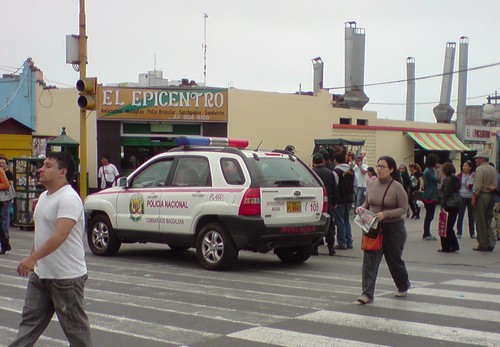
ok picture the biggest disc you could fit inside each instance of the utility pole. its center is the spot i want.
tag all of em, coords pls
(82, 54)
(205, 16)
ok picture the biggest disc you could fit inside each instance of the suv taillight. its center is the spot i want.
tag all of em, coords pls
(325, 201)
(250, 204)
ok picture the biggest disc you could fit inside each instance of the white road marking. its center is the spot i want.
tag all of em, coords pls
(279, 337)
(392, 326)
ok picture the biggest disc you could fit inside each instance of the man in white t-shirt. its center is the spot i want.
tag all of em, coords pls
(108, 173)
(360, 171)
(57, 260)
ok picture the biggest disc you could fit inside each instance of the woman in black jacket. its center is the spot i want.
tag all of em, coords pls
(405, 178)
(451, 203)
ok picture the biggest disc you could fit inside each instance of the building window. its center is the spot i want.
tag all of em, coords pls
(345, 121)
(362, 122)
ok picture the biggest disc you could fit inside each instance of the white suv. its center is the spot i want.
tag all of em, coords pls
(215, 196)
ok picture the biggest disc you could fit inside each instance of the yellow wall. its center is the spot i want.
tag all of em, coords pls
(276, 119)
(57, 108)
(281, 119)
(14, 146)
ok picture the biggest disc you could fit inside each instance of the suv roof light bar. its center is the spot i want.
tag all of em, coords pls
(210, 141)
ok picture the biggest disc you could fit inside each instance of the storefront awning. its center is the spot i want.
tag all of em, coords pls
(438, 141)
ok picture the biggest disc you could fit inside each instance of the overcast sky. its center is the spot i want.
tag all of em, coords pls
(261, 44)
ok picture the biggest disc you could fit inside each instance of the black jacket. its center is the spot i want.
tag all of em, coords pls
(330, 183)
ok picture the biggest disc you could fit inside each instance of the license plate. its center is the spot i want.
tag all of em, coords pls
(293, 207)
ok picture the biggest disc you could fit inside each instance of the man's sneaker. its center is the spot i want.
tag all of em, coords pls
(401, 294)
(364, 299)
(430, 238)
(331, 251)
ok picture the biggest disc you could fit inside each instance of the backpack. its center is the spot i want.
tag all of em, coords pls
(346, 185)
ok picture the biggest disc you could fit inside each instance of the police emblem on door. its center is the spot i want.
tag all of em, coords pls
(136, 207)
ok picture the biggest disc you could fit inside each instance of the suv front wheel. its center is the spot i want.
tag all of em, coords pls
(215, 248)
(101, 236)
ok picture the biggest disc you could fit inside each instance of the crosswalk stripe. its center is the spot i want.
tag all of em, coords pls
(409, 328)
(473, 284)
(248, 295)
(127, 326)
(279, 337)
(165, 305)
(9, 335)
(489, 275)
(155, 332)
(446, 310)
(453, 294)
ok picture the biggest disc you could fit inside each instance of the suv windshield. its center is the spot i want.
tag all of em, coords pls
(281, 171)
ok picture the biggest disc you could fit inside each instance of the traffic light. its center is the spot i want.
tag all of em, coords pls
(88, 93)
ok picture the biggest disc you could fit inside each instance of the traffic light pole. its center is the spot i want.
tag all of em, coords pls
(82, 53)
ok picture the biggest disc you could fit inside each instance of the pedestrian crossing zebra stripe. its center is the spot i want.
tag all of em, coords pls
(408, 328)
(128, 326)
(279, 337)
(9, 335)
(445, 310)
(489, 275)
(455, 294)
(473, 284)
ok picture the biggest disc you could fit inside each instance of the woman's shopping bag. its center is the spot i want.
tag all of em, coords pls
(442, 223)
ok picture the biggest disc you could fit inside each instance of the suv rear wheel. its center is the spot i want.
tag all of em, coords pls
(294, 255)
(101, 236)
(215, 248)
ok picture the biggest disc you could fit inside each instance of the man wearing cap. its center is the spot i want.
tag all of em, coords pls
(483, 201)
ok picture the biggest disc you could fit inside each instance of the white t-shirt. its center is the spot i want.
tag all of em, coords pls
(109, 172)
(67, 261)
(360, 178)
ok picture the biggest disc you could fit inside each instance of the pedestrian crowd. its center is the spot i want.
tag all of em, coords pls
(56, 264)
(351, 184)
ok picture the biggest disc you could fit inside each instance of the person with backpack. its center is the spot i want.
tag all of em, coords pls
(329, 181)
(346, 191)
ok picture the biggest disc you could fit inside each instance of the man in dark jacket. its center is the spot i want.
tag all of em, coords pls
(328, 178)
(346, 192)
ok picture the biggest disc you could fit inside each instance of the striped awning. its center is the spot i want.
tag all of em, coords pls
(438, 141)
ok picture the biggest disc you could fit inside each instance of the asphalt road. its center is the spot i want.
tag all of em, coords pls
(148, 295)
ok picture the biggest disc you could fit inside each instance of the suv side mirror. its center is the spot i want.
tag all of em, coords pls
(122, 182)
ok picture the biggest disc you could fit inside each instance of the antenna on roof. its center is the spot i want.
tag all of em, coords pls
(259, 145)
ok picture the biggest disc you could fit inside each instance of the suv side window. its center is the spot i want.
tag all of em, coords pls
(154, 175)
(232, 172)
(192, 172)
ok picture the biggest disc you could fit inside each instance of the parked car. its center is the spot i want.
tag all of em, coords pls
(213, 195)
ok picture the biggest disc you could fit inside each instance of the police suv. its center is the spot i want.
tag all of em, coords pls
(216, 196)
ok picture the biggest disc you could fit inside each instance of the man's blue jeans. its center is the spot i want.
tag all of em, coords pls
(62, 296)
(344, 234)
